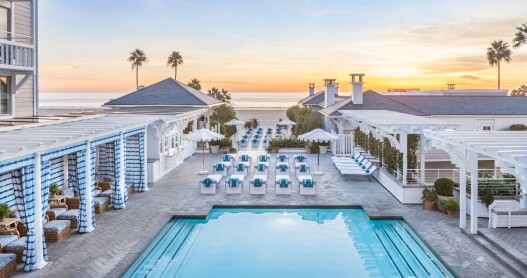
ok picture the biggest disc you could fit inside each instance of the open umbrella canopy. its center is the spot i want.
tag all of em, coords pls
(318, 135)
(204, 134)
(234, 122)
(286, 122)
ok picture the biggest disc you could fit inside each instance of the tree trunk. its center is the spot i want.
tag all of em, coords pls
(175, 72)
(136, 77)
(499, 73)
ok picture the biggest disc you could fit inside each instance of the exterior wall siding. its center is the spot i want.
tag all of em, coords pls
(471, 123)
(22, 21)
(24, 99)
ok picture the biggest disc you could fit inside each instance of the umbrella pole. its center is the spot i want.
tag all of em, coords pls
(318, 173)
(203, 172)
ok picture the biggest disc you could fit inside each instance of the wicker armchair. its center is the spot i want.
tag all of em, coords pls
(7, 264)
(72, 197)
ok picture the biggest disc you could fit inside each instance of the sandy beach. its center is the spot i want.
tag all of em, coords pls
(266, 116)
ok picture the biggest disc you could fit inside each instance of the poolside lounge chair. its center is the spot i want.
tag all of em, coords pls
(243, 143)
(299, 158)
(7, 264)
(264, 158)
(209, 184)
(307, 185)
(507, 213)
(261, 168)
(255, 141)
(72, 215)
(241, 168)
(245, 158)
(228, 158)
(258, 185)
(234, 184)
(101, 204)
(283, 185)
(359, 172)
(365, 166)
(282, 168)
(282, 158)
(302, 169)
(17, 248)
(221, 168)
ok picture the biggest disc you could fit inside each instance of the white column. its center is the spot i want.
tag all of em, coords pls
(207, 123)
(195, 125)
(145, 160)
(37, 186)
(66, 170)
(88, 196)
(463, 195)
(121, 168)
(422, 161)
(403, 138)
(473, 168)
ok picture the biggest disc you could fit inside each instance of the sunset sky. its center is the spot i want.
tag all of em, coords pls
(278, 45)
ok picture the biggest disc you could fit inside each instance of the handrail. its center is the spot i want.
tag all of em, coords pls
(14, 43)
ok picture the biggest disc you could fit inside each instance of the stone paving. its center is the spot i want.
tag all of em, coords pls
(121, 235)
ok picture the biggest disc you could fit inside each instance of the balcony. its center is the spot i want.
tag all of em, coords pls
(17, 52)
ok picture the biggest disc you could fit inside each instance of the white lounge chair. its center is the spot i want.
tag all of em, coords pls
(307, 185)
(228, 158)
(282, 158)
(221, 168)
(282, 168)
(300, 158)
(359, 172)
(365, 166)
(258, 184)
(507, 213)
(245, 158)
(264, 158)
(302, 169)
(234, 184)
(209, 184)
(283, 185)
(261, 168)
(241, 168)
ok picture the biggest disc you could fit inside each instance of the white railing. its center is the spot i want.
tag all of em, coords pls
(431, 175)
(343, 146)
(16, 55)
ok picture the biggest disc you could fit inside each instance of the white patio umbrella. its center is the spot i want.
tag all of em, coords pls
(204, 135)
(287, 123)
(318, 135)
(234, 122)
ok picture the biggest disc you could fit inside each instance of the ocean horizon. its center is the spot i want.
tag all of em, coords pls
(247, 100)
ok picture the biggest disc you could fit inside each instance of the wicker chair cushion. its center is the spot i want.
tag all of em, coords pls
(6, 239)
(69, 215)
(106, 193)
(96, 192)
(68, 192)
(58, 211)
(17, 245)
(56, 226)
(100, 200)
(5, 259)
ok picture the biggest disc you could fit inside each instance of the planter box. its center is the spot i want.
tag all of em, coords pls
(292, 150)
(323, 149)
(214, 148)
(481, 209)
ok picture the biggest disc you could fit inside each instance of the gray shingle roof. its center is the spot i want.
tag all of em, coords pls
(315, 99)
(168, 92)
(435, 105)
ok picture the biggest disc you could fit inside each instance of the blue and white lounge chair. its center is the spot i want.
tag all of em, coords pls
(264, 158)
(234, 184)
(308, 186)
(209, 184)
(299, 158)
(245, 158)
(221, 168)
(282, 158)
(283, 185)
(228, 158)
(302, 169)
(241, 168)
(258, 184)
(359, 172)
(282, 168)
(261, 168)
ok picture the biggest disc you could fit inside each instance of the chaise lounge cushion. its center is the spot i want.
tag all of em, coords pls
(72, 214)
(96, 192)
(58, 211)
(18, 245)
(56, 226)
(7, 239)
(100, 201)
(6, 259)
(106, 193)
(513, 212)
(70, 193)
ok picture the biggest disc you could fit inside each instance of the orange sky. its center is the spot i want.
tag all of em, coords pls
(409, 45)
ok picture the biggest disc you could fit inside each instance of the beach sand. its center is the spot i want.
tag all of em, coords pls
(266, 116)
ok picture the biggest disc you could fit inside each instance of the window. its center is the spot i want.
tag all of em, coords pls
(5, 23)
(4, 96)
(172, 144)
(487, 127)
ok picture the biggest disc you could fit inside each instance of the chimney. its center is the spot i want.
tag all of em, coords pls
(311, 89)
(357, 79)
(331, 91)
(451, 86)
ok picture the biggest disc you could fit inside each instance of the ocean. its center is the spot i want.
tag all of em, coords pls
(239, 99)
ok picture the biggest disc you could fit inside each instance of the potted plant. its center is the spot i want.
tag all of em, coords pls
(54, 190)
(214, 146)
(323, 147)
(4, 212)
(233, 150)
(451, 207)
(429, 198)
(274, 144)
(487, 198)
(444, 188)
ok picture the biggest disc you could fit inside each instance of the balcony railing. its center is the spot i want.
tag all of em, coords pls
(15, 55)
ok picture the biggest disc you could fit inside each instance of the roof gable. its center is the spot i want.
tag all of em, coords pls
(373, 101)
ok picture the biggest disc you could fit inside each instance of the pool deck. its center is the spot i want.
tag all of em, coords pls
(121, 235)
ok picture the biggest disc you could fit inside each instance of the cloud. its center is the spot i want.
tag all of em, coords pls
(455, 64)
(470, 77)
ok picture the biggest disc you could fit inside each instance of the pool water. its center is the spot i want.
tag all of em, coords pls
(287, 243)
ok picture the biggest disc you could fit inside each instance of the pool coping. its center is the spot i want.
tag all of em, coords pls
(371, 217)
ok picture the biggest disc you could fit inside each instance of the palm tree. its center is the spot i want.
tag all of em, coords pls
(137, 58)
(498, 51)
(173, 60)
(194, 83)
(520, 38)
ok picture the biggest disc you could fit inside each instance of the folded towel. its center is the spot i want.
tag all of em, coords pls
(220, 167)
(282, 157)
(245, 158)
(263, 158)
(300, 158)
(226, 157)
(303, 168)
(284, 183)
(233, 182)
(283, 167)
(258, 182)
(240, 167)
(308, 183)
(260, 167)
(207, 182)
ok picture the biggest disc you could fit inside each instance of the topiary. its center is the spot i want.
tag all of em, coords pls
(444, 187)
(4, 210)
(486, 197)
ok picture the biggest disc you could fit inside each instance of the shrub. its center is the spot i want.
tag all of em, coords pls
(451, 205)
(54, 188)
(487, 198)
(4, 210)
(518, 127)
(444, 187)
(252, 122)
(429, 194)
(304, 118)
(233, 150)
(287, 142)
(223, 143)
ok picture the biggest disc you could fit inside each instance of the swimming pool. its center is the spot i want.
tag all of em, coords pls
(287, 243)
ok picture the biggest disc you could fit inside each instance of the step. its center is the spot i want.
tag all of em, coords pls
(504, 258)
(397, 258)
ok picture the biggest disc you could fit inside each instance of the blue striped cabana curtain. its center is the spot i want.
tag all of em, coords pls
(45, 183)
(92, 167)
(142, 161)
(135, 159)
(118, 200)
(72, 172)
(81, 178)
(125, 192)
(107, 161)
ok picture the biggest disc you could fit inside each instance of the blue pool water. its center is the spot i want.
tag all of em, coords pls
(287, 243)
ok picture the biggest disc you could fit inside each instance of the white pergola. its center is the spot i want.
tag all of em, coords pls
(395, 127)
(507, 148)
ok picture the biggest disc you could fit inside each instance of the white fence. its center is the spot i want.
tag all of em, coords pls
(343, 146)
